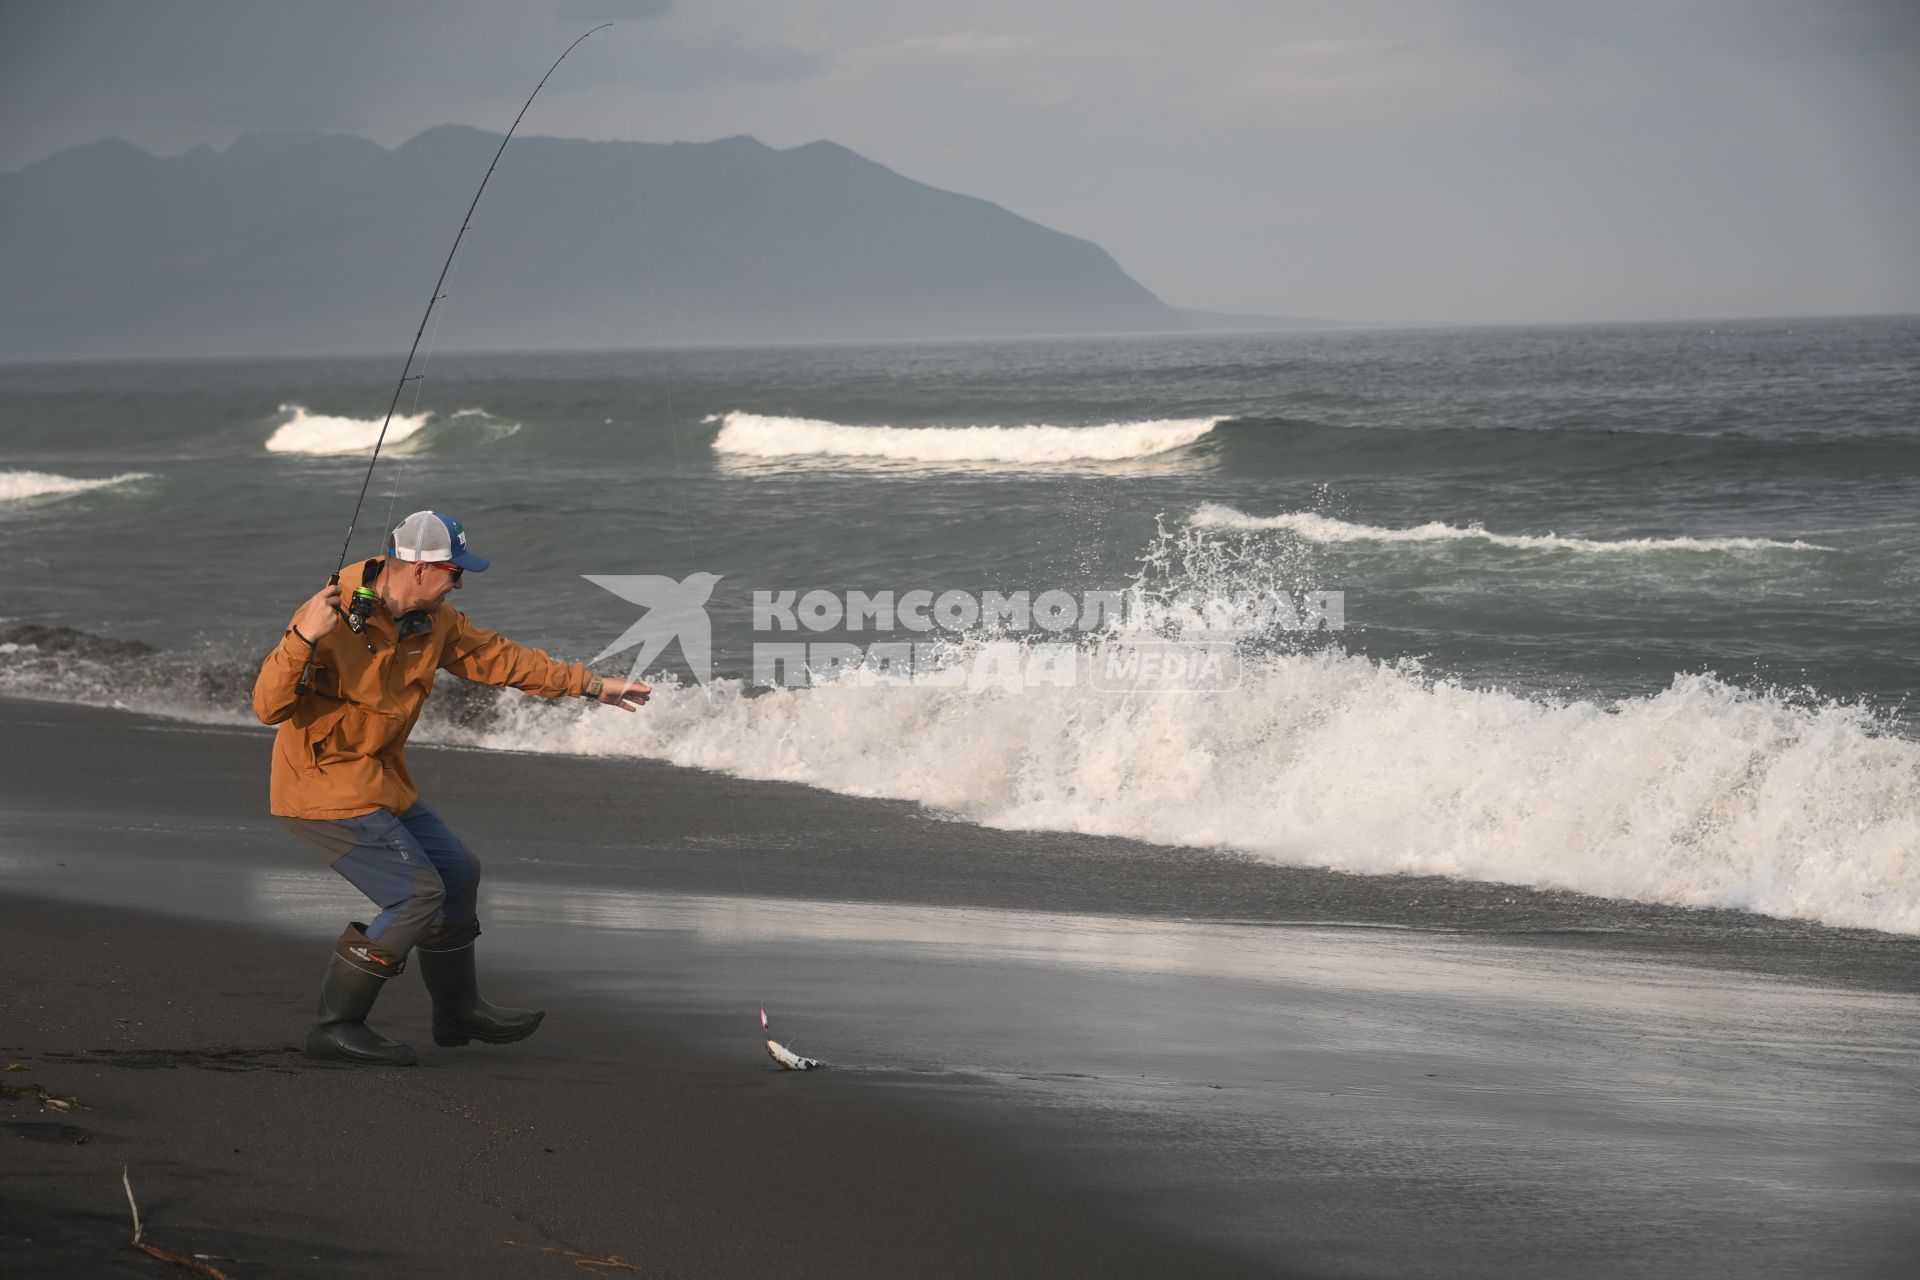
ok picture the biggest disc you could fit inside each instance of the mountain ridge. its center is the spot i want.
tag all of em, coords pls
(290, 242)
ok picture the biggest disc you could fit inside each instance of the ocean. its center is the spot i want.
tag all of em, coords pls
(1627, 610)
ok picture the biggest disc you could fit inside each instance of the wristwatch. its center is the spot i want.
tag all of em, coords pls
(595, 687)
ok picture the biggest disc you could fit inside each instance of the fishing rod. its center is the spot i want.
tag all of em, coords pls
(361, 607)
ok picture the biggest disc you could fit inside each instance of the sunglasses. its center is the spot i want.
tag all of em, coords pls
(444, 567)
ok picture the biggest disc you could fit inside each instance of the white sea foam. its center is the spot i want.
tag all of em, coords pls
(1319, 528)
(17, 486)
(752, 435)
(1702, 795)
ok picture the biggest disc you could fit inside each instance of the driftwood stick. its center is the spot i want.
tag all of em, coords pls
(127, 1182)
(586, 1261)
(155, 1251)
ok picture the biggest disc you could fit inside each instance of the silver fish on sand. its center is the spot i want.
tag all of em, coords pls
(788, 1059)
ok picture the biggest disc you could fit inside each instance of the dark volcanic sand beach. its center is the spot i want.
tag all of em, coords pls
(607, 1135)
(1051, 1055)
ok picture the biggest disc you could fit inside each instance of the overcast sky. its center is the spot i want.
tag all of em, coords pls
(1401, 160)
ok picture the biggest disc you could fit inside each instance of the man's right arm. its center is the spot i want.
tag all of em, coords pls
(275, 691)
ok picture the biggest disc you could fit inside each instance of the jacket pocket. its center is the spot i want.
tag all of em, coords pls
(314, 728)
(348, 732)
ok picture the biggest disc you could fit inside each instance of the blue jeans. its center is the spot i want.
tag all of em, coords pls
(411, 866)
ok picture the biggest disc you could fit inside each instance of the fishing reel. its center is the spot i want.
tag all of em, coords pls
(360, 604)
(360, 608)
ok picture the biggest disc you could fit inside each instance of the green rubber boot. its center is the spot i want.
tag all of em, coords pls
(355, 975)
(459, 1014)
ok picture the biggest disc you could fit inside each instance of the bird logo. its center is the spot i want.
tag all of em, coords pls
(675, 611)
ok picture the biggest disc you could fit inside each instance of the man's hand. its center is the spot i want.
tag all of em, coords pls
(624, 693)
(320, 614)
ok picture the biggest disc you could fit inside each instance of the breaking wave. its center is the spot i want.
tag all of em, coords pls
(18, 486)
(323, 435)
(1319, 528)
(1703, 795)
(752, 435)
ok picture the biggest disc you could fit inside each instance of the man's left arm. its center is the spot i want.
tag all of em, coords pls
(487, 657)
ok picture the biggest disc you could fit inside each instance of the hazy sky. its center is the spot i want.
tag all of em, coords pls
(1400, 160)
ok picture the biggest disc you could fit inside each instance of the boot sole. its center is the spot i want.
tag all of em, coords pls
(327, 1051)
(450, 1035)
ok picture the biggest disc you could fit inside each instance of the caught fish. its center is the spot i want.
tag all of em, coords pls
(788, 1059)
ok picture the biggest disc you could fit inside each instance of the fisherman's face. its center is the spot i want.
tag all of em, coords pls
(420, 586)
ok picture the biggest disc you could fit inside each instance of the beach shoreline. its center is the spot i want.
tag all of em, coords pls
(1049, 1054)
(645, 824)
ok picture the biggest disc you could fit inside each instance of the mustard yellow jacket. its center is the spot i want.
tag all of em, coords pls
(339, 752)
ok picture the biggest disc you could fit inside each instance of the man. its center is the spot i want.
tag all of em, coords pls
(340, 780)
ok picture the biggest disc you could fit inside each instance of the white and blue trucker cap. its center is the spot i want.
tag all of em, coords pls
(432, 537)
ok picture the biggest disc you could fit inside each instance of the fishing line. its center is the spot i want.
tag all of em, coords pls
(413, 410)
(787, 1059)
(406, 370)
(673, 419)
(679, 473)
(673, 416)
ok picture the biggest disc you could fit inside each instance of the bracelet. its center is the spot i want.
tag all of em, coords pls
(296, 631)
(595, 687)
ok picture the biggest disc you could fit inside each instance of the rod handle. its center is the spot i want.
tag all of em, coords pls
(304, 685)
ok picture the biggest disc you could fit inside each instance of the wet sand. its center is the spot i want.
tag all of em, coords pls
(606, 1134)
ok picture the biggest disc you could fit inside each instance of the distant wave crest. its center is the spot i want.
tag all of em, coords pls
(323, 435)
(752, 435)
(17, 486)
(1319, 528)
